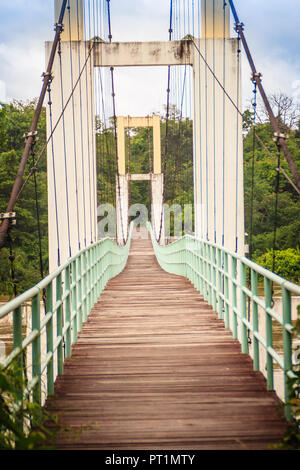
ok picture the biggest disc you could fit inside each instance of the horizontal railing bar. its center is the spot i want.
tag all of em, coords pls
(34, 381)
(66, 327)
(224, 283)
(57, 342)
(275, 356)
(11, 305)
(44, 364)
(257, 268)
(65, 295)
(13, 355)
(46, 319)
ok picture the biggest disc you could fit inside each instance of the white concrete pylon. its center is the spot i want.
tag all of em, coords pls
(73, 20)
(71, 153)
(218, 148)
(218, 155)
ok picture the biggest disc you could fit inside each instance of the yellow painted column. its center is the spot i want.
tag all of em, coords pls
(121, 145)
(156, 145)
(73, 20)
(213, 19)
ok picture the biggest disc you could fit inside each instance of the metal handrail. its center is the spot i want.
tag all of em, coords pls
(229, 283)
(71, 292)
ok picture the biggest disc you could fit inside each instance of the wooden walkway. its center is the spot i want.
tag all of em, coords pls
(154, 368)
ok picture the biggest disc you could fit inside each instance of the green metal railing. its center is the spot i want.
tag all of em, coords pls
(230, 284)
(71, 292)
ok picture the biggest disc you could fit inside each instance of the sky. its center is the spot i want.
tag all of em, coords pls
(271, 28)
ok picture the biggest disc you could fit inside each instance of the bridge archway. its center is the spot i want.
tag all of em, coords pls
(155, 178)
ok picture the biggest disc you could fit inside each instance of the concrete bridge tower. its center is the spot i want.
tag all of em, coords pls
(218, 151)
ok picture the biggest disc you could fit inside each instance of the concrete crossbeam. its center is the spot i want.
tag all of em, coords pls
(130, 54)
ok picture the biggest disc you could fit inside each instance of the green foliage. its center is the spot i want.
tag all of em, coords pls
(177, 162)
(15, 120)
(291, 439)
(177, 166)
(260, 184)
(286, 263)
(14, 420)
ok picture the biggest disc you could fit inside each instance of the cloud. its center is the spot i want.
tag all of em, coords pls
(21, 70)
(271, 29)
(2, 92)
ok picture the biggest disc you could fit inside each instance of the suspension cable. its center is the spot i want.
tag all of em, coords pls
(53, 170)
(277, 186)
(115, 124)
(252, 171)
(237, 141)
(257, 76)
(53, 128)
(12, 259)
(224, 123)
(74, 130)
(167, 127)
(65, 148)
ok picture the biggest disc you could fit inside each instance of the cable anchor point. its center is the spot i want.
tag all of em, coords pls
(58, 27)
(32, 135)
(10, 216)
(278, 136)
(48, 76)
(255, 77)
(239, 27)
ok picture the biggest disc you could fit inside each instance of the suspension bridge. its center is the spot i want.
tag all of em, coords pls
(136, 340)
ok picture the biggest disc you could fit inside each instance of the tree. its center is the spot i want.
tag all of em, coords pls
(262, 222)
(15, 120)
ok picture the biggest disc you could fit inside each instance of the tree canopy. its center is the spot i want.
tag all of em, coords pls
(269, 209)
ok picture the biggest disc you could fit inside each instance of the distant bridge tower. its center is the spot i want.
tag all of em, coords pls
(155, 178)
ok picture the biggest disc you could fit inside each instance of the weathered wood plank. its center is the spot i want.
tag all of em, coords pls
(154, 368)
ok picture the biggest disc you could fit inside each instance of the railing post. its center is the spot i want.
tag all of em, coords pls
(244, 308)
(49, 333)
(80, 294)
(209, 275)
(17, 341)
(254, 289)
(94, 275)
(214, 278)
(200, 266)
(68, 312)
(226, 291)
(287, 349)
(59, 326)
(84, 287)
(234, 296)
(219, 276)
(36, 348)
(269, 335)
(74, 301)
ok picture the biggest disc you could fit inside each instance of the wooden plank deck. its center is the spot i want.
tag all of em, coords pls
(154, 368)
